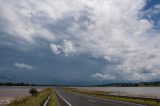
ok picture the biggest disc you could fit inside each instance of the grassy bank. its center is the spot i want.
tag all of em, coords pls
(52, 99)
(104, 95)
(36, 100)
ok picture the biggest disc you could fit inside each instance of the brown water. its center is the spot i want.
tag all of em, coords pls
(153, 92)
(9, 93)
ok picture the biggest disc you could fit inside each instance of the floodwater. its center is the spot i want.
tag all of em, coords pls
(9, 93)
(148, 92)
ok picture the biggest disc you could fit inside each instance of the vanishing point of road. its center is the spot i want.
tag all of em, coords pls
(74, 99)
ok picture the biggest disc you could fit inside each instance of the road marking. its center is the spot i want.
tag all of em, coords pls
(46, 102)
(91, 100)
(63, 98)
(112, 100)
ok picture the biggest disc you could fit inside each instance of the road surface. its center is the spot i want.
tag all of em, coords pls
(74, 99)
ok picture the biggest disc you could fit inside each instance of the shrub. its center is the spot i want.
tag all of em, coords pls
(33, 91)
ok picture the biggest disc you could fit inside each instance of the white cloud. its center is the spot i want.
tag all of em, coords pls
(101, 77)
(111, 29)
(55, 48)
(23, 66)
(67, 48)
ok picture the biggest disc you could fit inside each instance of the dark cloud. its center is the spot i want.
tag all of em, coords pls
(79, 42)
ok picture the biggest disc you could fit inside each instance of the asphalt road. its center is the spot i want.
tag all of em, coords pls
(74, 99)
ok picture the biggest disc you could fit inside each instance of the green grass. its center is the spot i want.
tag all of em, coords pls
(52, 100)
(35, 100)
(104, 95)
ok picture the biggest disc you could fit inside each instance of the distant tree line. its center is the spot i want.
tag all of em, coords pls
(24, 84)
(16, 84)
(140, 84)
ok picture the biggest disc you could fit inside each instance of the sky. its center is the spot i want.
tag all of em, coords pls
(79, 41)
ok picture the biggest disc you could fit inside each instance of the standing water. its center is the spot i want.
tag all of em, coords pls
(9, 93)
(153, 92)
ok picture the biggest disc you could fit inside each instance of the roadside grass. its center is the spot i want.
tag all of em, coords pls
(36, 100)
(52, 99)
(99, 94)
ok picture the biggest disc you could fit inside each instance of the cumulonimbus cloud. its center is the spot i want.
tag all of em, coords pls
(23, 66)
(110, 29)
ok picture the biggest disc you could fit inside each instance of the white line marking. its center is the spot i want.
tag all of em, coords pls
(46, 102)
(111, 100)
(91, 100)
(63, 98)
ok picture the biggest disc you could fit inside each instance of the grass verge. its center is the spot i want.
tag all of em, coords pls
(52, 99)
(36, 100)
(99, 94)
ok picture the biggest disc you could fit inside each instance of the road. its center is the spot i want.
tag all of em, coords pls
(74, 99)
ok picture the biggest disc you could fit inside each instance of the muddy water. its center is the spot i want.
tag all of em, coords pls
(153, 92)
(9, 93)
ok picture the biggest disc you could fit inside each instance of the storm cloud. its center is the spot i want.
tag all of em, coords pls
(122, 33)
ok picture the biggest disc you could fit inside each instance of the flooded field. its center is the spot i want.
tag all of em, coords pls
(9, 93)
(153, 92)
